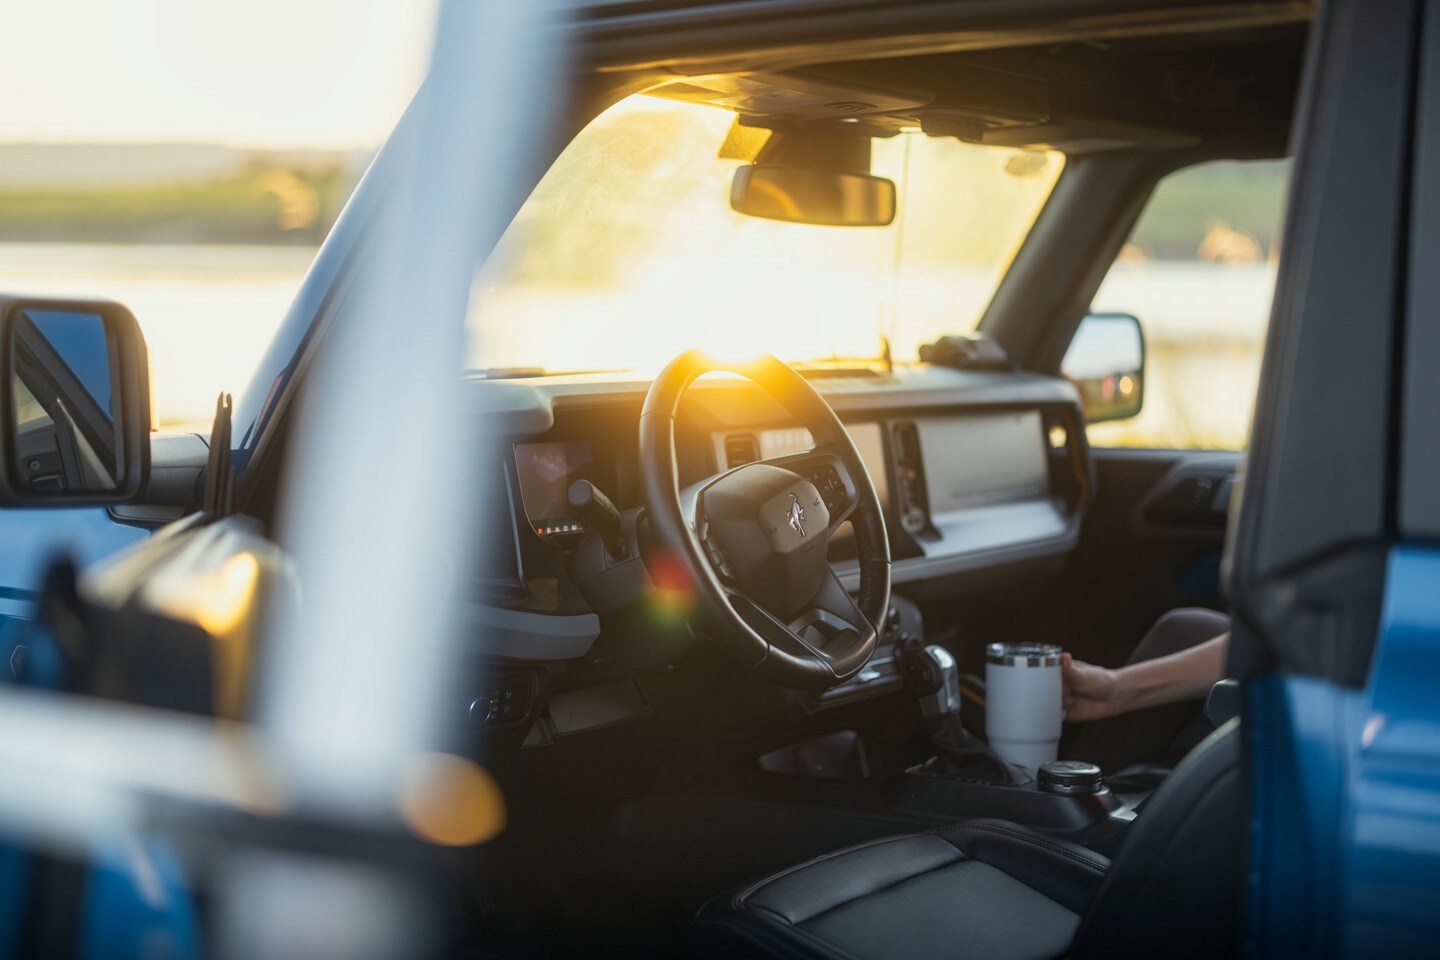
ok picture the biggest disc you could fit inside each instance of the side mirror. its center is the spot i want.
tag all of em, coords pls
(1106, 362)
(824, 197)
(75, 407)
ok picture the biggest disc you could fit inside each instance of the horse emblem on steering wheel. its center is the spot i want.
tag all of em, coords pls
(795, 515)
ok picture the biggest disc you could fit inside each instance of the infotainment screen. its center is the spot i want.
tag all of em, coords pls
(984, 458)
(546, 471)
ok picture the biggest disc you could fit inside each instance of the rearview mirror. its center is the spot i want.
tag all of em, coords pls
(825, 197)
(75, 411)
(1106, 362)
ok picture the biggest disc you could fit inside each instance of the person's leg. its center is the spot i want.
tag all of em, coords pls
(1155, 734)
(1179, 630)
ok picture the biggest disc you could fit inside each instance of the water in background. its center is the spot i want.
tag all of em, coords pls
(208, 311)
(1205, 327)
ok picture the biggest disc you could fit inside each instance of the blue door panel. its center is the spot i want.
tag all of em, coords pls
(1392, 886)
(32, 536)
(1345, 804)
(30, 657)
(1296, 728)
(138, 905)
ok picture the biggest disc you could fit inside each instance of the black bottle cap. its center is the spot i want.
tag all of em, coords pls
(1069, 777)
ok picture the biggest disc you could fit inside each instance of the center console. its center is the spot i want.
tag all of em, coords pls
(964, 779)
(954, 776)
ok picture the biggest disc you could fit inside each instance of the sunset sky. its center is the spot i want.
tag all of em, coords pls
(260, 73)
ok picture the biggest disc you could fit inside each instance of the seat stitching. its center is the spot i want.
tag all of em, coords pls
(1039, 842)
(795, 928)
(762, 884)
(888, 886)
(1030, 839)
(740, 899)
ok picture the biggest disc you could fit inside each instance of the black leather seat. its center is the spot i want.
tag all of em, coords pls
(995, 890)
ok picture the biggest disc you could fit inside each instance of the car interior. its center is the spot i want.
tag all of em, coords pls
(730, 632)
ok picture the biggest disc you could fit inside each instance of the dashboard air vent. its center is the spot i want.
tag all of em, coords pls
(740, 449)
(910, 476)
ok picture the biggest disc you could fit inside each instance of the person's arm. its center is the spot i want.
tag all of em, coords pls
(1093, 692)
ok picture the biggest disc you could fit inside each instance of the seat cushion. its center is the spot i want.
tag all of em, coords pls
(981, 888)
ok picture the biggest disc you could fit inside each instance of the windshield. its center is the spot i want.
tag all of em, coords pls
(628, 253)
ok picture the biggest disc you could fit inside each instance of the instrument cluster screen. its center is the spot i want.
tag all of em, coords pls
(546, 471)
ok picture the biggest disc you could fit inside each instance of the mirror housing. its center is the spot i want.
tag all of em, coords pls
(824, 197)
(1106, 363)
(74, 404)
(815, 173)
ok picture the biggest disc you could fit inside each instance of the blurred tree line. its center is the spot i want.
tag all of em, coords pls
(261, 202)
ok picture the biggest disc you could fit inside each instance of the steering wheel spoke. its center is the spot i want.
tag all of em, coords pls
(831, 629)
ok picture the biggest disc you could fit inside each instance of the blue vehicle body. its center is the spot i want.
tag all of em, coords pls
(34, 536)
(1346, 785)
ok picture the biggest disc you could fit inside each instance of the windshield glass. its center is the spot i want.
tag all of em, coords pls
(628, 253)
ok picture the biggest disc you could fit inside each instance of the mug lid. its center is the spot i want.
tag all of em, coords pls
(1023, 654)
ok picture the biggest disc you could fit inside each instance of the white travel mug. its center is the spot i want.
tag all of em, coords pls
(1023, 702)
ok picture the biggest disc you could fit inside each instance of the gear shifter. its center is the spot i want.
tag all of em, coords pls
(933, 676)
(598, 513)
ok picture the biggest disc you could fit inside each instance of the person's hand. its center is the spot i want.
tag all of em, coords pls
(1089, 691)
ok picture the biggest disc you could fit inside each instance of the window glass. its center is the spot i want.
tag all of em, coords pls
(1199, 272)
(187, 159)
(28, 411)
(628, 253)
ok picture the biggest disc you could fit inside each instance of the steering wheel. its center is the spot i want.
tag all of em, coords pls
(752, 540)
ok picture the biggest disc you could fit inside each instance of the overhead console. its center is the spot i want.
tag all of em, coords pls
(946, 96)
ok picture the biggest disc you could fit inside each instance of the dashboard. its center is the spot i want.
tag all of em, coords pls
(981, 475)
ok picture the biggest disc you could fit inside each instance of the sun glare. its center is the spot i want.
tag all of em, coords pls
(628, 252)
(734, 354)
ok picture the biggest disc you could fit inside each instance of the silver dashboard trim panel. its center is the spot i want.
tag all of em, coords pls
(525, 635)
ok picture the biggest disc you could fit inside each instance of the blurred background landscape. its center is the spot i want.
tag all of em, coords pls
(187, 158)
(205, 243)
(172, 193)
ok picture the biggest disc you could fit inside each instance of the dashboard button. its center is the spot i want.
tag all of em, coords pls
(482, 709)
(510, 700)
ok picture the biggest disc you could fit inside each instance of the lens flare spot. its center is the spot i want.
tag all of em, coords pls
(450, 800)
(227, 599)
(674, 593)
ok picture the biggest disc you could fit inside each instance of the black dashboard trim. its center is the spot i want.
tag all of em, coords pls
(527, 635)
